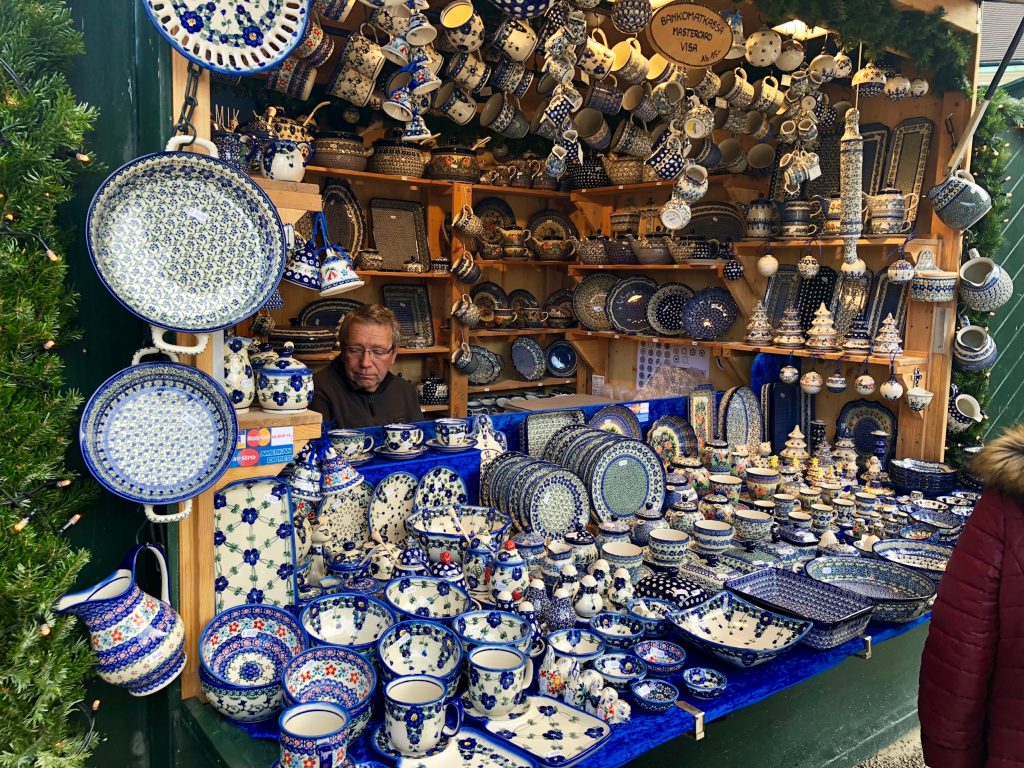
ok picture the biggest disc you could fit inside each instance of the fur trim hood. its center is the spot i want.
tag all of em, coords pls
(1001, 462)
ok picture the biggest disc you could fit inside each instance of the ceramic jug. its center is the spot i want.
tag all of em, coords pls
(964, 411)
(984, 285)
(510, 573)
(762, 218)
(286, 160)
(139, 640)
(974, 349)
(238, 377)
(959, 201)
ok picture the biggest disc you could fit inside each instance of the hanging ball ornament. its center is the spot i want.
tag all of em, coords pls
(901, 271)
(811, 382)
(844, 65)
(891, 389)
(767, 265)
(836, 383)
(733, 270)
(865, 384)
(789, 375)
(808, 266)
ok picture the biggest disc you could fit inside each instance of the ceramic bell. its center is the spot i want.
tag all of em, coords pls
(337, 475)
(900, 271)
(302, 267)
(337, 274)
(789, 374)
(836, 383)
(238, 374)
(870, 79)
(811, 383)
(286, 384)
(573, 690)
(549, 679)
(478, 563)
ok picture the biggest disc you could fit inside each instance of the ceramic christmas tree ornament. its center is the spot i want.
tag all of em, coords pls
(759, 329)
(887, 341)
(789, 333)
(857, 337)
(821, 336)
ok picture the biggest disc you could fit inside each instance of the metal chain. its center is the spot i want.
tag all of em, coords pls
(189, 103)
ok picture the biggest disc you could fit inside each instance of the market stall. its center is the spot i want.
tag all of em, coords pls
(753, 233)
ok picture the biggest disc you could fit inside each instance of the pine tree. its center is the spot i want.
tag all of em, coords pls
(44, 659)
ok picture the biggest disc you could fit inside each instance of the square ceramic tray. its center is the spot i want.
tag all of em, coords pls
(411, 305)
(471, 748)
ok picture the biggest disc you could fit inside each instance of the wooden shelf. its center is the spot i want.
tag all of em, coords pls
(510, 385)
(637, 338)
(320, 357)
(502, 264)
(364, 176)
(493, 189)
(519, 332)
(434, 408)
(832, 242)
(725, 181)
(405, 275)
(906, 360)
(705, 266)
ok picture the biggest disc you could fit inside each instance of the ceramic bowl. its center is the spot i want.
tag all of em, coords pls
(347, 619)
(942, 519)
(704, 682)
(900, 594)
(739, 632)
(619, 670)
(668, 545)
(623, 554)
(437, 532)
(920, 556)
(618, 630)
(651, 612)
(421, 648)
(712, 535)
(654, 695)
(762, 483)
(426, 597)
(335, 674)
(663, 658)
(752, 525)
(580, 644)
(726, 485)
(242, 651)
(492, 628)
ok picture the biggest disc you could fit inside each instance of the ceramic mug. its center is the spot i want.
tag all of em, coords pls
(699, 120)
(767, 97)
(509, 75)
(734, 159)
(663, 71)
(455, 103)
(760, 157)
(638, 100)
(402, 438)
(350, 442)
(758, 126)
(466, 311)
(667, 97)
(502, 115)
(516, 38)
(314, 735)
(498, 679)
(351, 85)
(464, 359)
(675, 213)
(597, 58)
(294, 78)
(451, 432)
(468, 223)
(692, 184)
(631, 139)
(630, 65)
(736, 89)
(363, 54)
(506, 318)
(462, 25)
(534, 317)
(416, 714)
(704, 83)
(564, 101)
(592, 128)
(468, 70)
(706, 153)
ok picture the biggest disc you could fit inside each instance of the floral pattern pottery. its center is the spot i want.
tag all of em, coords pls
(440, 487)
(477, 628)
(654, 695)
(704, 683)
(469, 749)
(920, 556)
(663, 659)
(351, 620)
(285, 384)
(426, 597)
(334, 674)
(899, 594)
(238, 379)
(421, 647)
(390, 505)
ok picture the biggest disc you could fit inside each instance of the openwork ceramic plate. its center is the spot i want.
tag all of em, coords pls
(158, 433)
(861, 418)
(344, 517)
(185, 242)
(618, 420)
(588, 301)
(489, 366)
(231, 38)
(391, 504)
(440, 487)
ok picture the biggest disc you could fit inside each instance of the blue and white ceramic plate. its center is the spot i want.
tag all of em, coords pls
(384, 453)
(469, 749)
(158, 433)
(391, 503)
(626, 477)
(231, 38)
(709, 314)
(560, 358)
(558, 503)
(440, 487)
(450, 448)
(185, 241)
(327, 313)
(626, 304)
(588, 301)
(618, 420)
(528, 358)
(739, 418)
(861, 418)
(665, 309)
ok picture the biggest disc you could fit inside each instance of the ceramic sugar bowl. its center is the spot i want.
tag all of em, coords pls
(510, 573)
(285, 384)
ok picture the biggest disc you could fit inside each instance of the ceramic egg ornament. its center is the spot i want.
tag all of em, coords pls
(808, 266)
(891, 389)
(789, 374)
(865, 384)
(811, 383)
(764, 47)
(897, 87)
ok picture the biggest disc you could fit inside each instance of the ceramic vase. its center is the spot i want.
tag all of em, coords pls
(238, 378)
(851, 163)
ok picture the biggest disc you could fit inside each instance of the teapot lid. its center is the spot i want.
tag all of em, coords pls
(286, 365)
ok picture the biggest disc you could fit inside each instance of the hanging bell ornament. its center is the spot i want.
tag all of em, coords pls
(810, 383)
(891, 389)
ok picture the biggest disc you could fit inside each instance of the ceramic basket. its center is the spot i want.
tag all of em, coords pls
(933, 287)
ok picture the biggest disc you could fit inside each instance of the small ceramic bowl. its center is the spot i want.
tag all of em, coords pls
(580, 644)
(493, 628)
(618, 630)
(437, 532)
(334, 674)
(426, 597)
(663, 658)
(919, 532)
(354, 621)
(421, 648)
(712, 535)
(652, 613)
(654, 695)
(620, 670)
(704, 682)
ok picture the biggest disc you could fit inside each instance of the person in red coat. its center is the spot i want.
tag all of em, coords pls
(971, 696)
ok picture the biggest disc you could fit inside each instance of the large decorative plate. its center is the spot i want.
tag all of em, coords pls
(254, 551)
(346, 221)
(665, 309)
(618, 420)
(489, 366)
(551, 225)
(495, 213)
(560, 359)
(489, 296)
(588, 301)
(555, 449)
(627, 476)
(861, 418)
(440, 487)
(344, 517)
(553, 733)
(520, 299)
(557, 504)
(740, 419)
(327, 313)
(887, 298)
(701, 404)
(908, 159)
(562, 298)
(158, 433)
(717, 221)
(626, 304)
(876, 142)
(411, 305)
(537, 429)
(185, 242)
(813, 292)
(672, 437)
(781, 292)
(849, 300)
(709, 314)
(399, 232)
(528, 358)
(230, 38)
(390, 505)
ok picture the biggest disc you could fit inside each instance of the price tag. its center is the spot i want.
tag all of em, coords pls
(814, 173)
(785, 81)
(721, 103)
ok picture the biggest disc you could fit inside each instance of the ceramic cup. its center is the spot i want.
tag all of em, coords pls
(784, 504)
(734, 159)
(294, 78)
(604, 97)
(468, 70)
(675, 213)
(668, 545)
(692, 184)
(468, 223)
(669, 159)
(402, 438)
(736, 89)
(767, 97)
(704, 83)
(631, 139)
(758, 126)
(498, 678)
(466, 311)
(534, 317)
(505, 318)
(451, 431)
(699, 120)
(464, 359)
(462, 25)
(314, 735)
(592, 128)
(760, 157)
(363, 54)
(352, 85)
(502, 115)
(799, 519)
(597, 58)
(516, 38)
(455, 103)
(466, 269)
(630, 65)
(416, 715)
(667, 97)
(350, 442)
(639, 101)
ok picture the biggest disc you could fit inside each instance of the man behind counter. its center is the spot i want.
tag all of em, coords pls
(357, 389)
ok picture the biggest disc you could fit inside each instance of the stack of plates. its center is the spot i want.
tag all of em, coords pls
(539, 495)
(931, 478)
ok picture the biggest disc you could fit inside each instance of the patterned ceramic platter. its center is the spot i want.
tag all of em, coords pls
(861, 418)
(489, 368)
(900, 594)
(717, 221)
(558, 503)
(709, 314)
(626, 477)
(813, 292)
(233, 39)
(520, 298)
(327, 313)
(537, 429)
(469, 749)
(489, 296)
(411, 305)
(672, 437)
(560, 358)
(528, 358)
(618, 420)
(552, 732)
(496, 213)
(158, 433)
(254, 551)
(344, 517)
(781, 292)
(346, 221)
(626, 304)
(552, 225)
(390, 505)
(560, 439)
(702, 413)
(588, 301)
(739, 418)
(921, 556)
(180, 224)
(665, 308)
(440, 487)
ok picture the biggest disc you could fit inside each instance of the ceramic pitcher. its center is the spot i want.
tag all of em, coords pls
(984, 285)
(139, 641)
(959, 201)
(238, 376)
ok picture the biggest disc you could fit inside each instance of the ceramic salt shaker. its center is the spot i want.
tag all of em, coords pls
(570, 580)
(602, 574)
(561, 614)
(588, 602)
(621, 591)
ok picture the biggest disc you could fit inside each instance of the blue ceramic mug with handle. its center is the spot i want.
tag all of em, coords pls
(314, 735)
(402, 438)
(416, 715)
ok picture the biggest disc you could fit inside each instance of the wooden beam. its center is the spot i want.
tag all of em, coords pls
(962, 14)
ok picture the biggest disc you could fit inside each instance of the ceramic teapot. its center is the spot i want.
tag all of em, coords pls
(286, 160)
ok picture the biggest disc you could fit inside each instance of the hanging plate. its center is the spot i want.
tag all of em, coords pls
(551, 225)
(908, 159)
(560, 358)
(519, 299)
(876, 142)
(158, 433)
(813, 292)
(782, 291)
(887, 298)
(490, 296)
(440, 487)
(228, 37)
(495, 213)
(665, 309)
(702, 413)
(327, 313)
(390, 505)
(588, 301)
(185, 242)
(346, 221)
(861, 418)
(849, 299)
(411, 305)
(626, 304)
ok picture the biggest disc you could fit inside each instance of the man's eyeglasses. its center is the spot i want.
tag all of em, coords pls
(377, 353)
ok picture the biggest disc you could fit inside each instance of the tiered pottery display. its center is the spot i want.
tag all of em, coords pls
(789, 333)
(858, 339)
(759, 329)
(888, 341)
